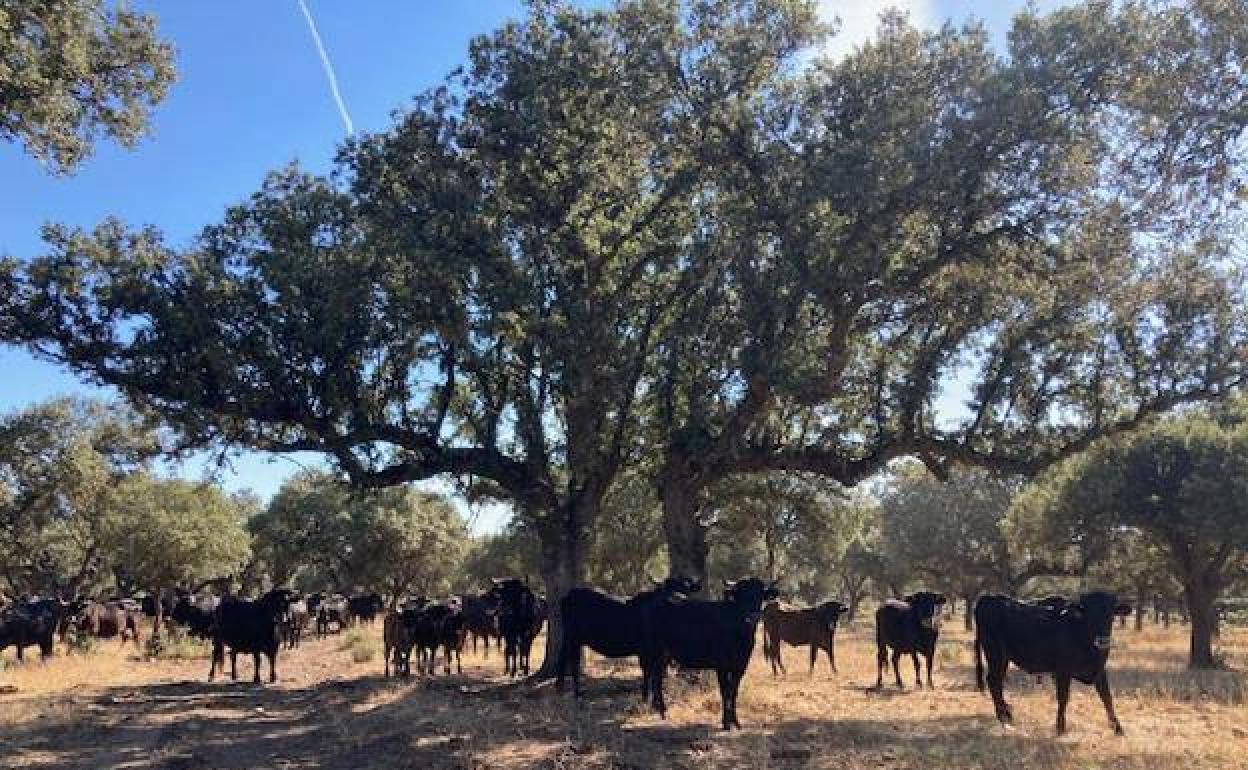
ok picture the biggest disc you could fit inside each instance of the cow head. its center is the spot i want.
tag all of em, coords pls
(510, 593)
(1096, 612)
(828, 612)
(926, 607)
(749, 595)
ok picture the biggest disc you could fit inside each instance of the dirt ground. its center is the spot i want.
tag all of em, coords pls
(113, 709)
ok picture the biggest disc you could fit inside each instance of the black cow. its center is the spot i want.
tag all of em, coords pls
(28, 623)
(1070, 642)
(519, 619)
(912, 626)
(365, 608)
(704, 635)
(607, 625)
(481, 619)
(107, 620)
(249, 626)
(814, 627)
(198, 616)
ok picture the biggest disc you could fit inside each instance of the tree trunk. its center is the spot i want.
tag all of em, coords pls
(968, 622)
(563, 568)
(1140, 598)
(687, 547)
(158, 598)
(1200, 601)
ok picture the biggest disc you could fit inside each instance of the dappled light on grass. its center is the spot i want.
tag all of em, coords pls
(112, 708)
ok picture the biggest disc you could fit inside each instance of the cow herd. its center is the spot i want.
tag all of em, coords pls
(667, 625)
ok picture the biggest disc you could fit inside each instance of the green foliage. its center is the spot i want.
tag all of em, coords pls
(641, 232)
(1180, 486)
(74, 69)
(318, 532)
(61, 463)
(171, 532)
(514, 552)
(951, 534)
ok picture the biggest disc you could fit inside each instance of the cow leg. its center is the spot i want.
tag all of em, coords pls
(658, 668)
(725, 698)
(832, 653)
(881, 660)
(897, 669)
(918, 677)
(777, 660)
(234, 664)
(1063, 697)
(1102, 689)
(255, 668)
(928, 657)
(996, 686)
(814, 655)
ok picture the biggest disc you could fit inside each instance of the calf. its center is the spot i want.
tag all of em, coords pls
(814, 627)
(108, 620)
(705, 635)
(29, 623)
(1070, 642)
(519, 619)
(249, 626)
(908, 626)
(481, 619)
(607, 625)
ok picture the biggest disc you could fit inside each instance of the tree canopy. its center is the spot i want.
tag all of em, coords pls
(71, 70)
(646, 231)
(1180, 485)
(319, 533)
(60, 466)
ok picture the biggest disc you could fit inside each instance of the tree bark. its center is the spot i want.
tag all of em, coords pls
(1200, 603)
(563, 568)
(968, 622)
(687, 548)
(1140, 598)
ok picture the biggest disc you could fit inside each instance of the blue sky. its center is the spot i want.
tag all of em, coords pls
(251, 97)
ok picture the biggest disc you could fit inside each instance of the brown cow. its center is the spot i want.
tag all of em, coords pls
(104, 620)
(814, 627)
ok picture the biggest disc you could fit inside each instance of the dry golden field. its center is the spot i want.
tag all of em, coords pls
(110, 709)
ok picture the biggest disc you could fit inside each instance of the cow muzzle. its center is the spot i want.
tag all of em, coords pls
(1102, 643)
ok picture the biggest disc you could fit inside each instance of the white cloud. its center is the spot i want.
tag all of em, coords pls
(860, 19)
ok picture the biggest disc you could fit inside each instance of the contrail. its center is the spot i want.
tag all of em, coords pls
(328, 67)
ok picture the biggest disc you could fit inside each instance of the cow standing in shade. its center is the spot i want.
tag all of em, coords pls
(609, 626)
(700, 634)
(481, 619)
(26, 623)
(105, 620)
(1070, 642)
(910, 626)
(249, 626)
(814, 627)
(519, 620)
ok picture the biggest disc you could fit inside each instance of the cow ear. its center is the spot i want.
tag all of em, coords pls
(1123, 609)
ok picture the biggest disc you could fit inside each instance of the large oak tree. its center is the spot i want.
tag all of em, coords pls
(648, 230)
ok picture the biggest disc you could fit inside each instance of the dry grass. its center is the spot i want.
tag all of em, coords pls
(115, 709)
